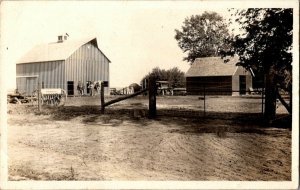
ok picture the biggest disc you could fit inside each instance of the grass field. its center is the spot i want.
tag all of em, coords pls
(76, 142)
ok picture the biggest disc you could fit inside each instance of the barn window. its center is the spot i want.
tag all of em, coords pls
(60, 39)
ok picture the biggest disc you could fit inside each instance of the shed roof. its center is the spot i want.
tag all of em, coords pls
(212, 66)
(56, 50)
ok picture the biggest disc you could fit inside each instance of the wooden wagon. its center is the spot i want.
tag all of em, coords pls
(52, 96)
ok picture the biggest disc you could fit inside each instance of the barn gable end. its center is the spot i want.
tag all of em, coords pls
(87, 63)
(60, 63)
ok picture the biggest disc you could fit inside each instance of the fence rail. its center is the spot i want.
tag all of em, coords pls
(204, 95)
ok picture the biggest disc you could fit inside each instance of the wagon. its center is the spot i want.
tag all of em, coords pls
(52, 96)
(16, 97)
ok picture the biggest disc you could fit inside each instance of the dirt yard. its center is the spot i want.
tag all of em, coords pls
(76, 142)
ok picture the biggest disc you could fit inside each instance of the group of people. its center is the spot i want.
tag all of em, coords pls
(92, 87)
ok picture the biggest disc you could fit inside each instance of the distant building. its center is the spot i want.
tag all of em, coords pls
(134, 87)
(63, 64)
(217, 77)
(164, 87)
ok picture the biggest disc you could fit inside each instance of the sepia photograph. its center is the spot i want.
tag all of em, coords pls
(149, 94)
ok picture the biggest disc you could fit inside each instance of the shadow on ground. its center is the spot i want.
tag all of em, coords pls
(189, 120)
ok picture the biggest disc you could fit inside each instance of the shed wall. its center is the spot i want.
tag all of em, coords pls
(87, 63)
(51, 75)
(214, 85)
(235, 85)
(241, 71)
(249, 82)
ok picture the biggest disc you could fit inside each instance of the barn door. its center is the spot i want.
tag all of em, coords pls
(242, 85)
(31, 85)
(88, 83)
(70, 88)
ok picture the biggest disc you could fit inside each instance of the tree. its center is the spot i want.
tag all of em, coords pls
(174, 76)
(202, 35)
(135, 87)
(265, 46)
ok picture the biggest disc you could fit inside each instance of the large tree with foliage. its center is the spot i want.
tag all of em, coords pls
(202, 35)
(174, 76)
(265, 46)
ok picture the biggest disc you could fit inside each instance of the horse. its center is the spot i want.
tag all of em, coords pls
(97, 86)
(80, 88)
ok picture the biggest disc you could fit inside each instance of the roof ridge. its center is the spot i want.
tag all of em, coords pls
(52, 51)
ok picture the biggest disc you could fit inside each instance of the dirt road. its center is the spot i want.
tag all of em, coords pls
(81, 144)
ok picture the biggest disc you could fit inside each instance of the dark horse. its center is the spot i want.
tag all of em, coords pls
(97, 86)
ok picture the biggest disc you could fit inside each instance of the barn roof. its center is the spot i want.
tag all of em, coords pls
(212, 66)
(56, 50)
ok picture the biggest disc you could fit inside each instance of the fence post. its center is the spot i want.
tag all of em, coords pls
(39, 96)
(102, 96)
(262, 101)
(145, 83)
(145, 86)
(152, 98)
(204, 100)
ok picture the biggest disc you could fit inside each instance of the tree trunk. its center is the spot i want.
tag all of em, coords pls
(270, 95)
(291, 100)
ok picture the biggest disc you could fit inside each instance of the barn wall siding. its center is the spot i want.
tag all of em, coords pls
(87, 64)
(50, 74)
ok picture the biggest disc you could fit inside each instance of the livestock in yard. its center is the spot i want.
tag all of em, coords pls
(97, 86)
(80, 88)
(91, 87)
(94, 87)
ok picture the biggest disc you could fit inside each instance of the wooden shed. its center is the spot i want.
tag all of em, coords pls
(63, 64)
(217, 78)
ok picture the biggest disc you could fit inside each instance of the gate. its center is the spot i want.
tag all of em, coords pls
(208, 103)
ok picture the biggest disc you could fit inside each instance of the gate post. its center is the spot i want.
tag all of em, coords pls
(204, 91)
(262, 101)
(152, 97)
(39, 95)
(102, 96)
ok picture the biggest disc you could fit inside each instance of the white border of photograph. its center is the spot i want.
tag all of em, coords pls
(293, 184)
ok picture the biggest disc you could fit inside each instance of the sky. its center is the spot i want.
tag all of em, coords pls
(135, 35)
